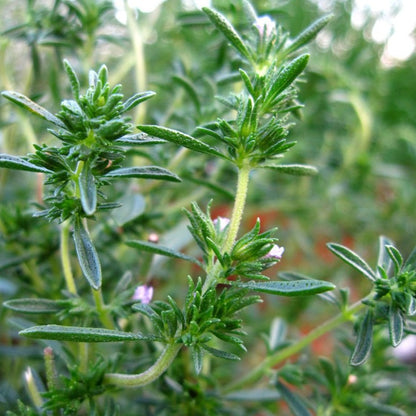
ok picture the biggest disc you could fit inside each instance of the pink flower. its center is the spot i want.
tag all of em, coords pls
(265, 25)
(275, 253)
(222, 222)
(143, 293)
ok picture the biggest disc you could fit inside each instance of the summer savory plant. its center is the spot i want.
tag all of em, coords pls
(111, 345)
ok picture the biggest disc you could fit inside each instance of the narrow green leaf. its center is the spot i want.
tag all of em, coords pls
(132, 206)
(395, 326)
(88, 190)
(293, 169)
(384, 261)
(210, 185)
(162, 250)
(329, 372)
(190, 89)
(308, 34)
(35, 305)
(286, 76)
(138, 139)
(364, 341)
(353, 259)
(410, 263)
(247, 82)
(73, 79)
(410, 304)
(144, 172)
(197, 358)
(253, 395)
(227, 29)
(289, 275)
(221, 354)
(87, 255)
(291, 288)
(81, 334)
(180, 139)
(137, 99)
(249, 11)
(26, 103)
(293, 400)
(17, 163)
(396, 257)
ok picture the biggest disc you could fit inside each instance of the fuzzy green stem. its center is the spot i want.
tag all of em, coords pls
(238, 209)
(65, 258)
(101, 309)
(236, 217)
(151, 374)
(281, 355)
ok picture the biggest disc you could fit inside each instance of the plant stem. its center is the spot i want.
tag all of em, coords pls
(136, 36)
(101, 309)
(151, 374)
(238, 209)
(65, 258)
(236, 217)
(290, 350)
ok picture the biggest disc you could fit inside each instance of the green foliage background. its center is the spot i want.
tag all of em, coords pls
(358, 128)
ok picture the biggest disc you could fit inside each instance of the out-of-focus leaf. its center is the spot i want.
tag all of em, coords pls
(293, 400)
(364, 341)
(34, 305)
(159, 249)
(17, 163)
(26, 103)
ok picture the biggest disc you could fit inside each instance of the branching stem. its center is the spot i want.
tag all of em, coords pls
(151, 374)
(281, 355)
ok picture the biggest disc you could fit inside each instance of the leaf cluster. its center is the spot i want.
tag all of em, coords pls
(393, 300)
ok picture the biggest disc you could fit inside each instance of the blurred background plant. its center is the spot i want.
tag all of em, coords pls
(357, 127)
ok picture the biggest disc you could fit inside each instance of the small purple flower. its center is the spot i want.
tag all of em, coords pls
(222, 222)
(143, 293)
(265, 25)
(275, 253)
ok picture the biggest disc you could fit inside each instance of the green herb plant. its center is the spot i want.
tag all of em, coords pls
(102, 343)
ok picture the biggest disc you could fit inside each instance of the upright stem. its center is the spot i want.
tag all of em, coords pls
(281, 355)
(236, 217)
(66, 259)
(239, 204)
(155, 371)
(101, 309)
(136, 36)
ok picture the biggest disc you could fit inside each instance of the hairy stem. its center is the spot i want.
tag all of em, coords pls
(281, 355)
(238, 209)
(236, 217)
(151, 374)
